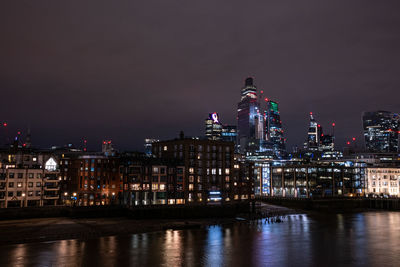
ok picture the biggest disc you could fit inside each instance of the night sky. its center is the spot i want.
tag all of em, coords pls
(127, 70)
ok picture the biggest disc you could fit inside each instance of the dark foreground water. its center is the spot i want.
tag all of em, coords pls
(365, 239)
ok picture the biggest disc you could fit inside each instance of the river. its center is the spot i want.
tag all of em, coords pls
(362, 239)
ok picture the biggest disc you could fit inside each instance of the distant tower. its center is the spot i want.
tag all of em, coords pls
(274, 138)
(314, 135)
(107, 148)
(213, 127)
(28, 142)
(250, 119)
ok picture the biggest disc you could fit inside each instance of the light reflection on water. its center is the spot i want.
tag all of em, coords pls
(364, 239)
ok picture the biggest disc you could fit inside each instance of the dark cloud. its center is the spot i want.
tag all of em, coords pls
(127, 70)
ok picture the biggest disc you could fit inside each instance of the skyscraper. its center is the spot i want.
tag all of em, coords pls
(213, 127)
(274, 139)
(316, 139)
(314, 135)
(381, 131)
(250, 119)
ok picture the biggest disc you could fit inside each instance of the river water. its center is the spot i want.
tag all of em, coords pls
(362, 239)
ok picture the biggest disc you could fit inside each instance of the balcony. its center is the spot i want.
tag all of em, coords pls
(51, 187)
(50, 196)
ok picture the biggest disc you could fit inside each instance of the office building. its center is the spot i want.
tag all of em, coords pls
(213, 127)
(274, 138)
(250, 120)
(381, 131)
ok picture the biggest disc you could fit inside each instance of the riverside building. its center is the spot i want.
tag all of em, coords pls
(89, 179)
(210, 171)
(383, 181)
(29, 186)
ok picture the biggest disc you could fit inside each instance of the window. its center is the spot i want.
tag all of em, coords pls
(30, 184)
(39, 175)
(30, 175)
(190, 187)
(191, 179)
(19, 193)
(11, 184)
(191, 170)
(30, 193)
(10, 193)
(38, 184)
(11, 175)
(20, 175)
(38, 193)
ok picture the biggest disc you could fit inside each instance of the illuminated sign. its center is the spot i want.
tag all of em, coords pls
(214, 117)
(51, 165)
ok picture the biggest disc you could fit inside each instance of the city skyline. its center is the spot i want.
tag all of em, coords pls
(68, 82)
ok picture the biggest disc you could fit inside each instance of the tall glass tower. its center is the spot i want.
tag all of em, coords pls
(250, 120)
(274, 138)
(381, 131)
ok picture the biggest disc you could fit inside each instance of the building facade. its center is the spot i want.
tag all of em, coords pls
(213, 127)
(250, 120)
(90, 179)
(274, 138)
(30, 187)
(305, 180)
(210, 170)
(383, 181)
(381, 131)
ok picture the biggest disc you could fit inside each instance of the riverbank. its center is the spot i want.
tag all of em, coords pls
(335, 204)
(60, 228)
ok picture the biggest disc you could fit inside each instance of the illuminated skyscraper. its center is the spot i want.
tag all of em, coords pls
(381, 131)
(250, 120)
(314, 135)
(274, 139)
(213, 127)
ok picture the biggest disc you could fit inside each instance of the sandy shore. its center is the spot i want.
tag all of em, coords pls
(48, 229)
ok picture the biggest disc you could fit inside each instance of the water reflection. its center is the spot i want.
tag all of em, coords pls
(365, 239)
